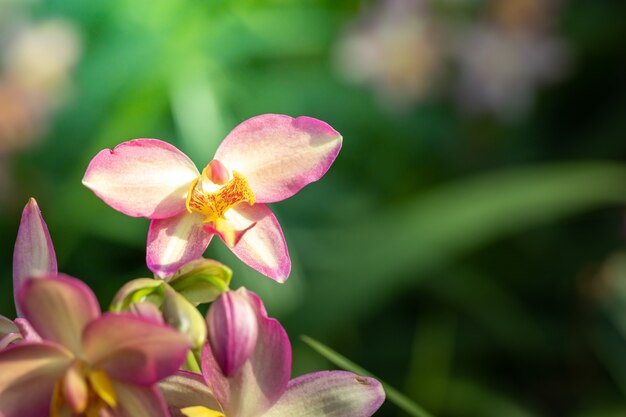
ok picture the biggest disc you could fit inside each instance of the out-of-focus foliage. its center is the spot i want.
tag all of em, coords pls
(467, 245)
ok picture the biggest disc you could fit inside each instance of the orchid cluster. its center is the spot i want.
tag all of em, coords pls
(153, 353)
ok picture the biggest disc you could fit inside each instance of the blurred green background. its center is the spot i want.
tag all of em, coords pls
(467, 246)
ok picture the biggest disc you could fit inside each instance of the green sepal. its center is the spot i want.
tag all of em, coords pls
(201, 281)
(138, 290)
(179, 313)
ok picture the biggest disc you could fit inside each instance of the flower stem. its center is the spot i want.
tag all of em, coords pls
(191, 363)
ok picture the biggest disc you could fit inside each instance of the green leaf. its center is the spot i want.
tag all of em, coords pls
(427, 233)
(393, 395)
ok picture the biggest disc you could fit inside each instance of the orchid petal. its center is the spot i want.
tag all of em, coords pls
(233, 330)
(198, 411)
(34, 253)
(224, 229)
(103, 387)
(263, 246)
(278, 155)
(9, 332)
(28, 374)
(137, 401)
(7, 326)
(75, 389)
(262, 379)
(186, 389)
(8, 339)
(58, 309)
(329, 394)
(26, 330)
(133, 349)
(142, 178)
(175, 241)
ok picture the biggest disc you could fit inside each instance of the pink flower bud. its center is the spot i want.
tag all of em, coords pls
(233, 330)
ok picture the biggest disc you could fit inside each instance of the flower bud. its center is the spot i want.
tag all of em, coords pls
(135, 291)
(146, 310)
(233, 330)
(201, 281)
(184, 317)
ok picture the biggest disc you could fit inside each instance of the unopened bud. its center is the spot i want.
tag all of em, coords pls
(183, 316)
(233, 330)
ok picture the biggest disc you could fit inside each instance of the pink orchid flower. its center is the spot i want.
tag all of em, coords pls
(246, 368)
(87, 364)
(263, 160)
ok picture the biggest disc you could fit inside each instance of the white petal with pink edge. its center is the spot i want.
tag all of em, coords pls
(175, 241)
(329, 394)
(142, 178)
(263, 246)
(278, 155)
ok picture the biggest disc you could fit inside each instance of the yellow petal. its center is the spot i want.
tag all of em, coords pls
(101, 384)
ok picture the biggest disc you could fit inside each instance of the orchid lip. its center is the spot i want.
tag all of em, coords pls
(213, 205)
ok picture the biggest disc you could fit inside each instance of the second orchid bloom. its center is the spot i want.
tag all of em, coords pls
(246, 369)
(263, 160)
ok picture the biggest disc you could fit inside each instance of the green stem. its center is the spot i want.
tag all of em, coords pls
(191, 363)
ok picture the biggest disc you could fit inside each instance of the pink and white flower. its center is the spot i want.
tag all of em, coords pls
(246, 369)
(263, 160)
(86, 364)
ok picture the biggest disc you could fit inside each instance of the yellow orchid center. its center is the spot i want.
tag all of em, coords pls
(213, 193)
(201, 412)
(83, 391)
